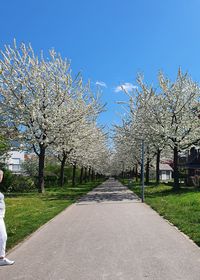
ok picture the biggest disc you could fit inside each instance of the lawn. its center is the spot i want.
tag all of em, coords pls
(27, 212)
(180, 208)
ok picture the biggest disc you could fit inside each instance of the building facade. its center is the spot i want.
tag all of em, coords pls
(165, 172)
(14, 161)
(189, 165)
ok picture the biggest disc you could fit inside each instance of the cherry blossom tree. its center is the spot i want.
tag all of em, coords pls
(91, 151)
(36, 96)
(169, 118)
(172, 115)
(178, 116)
(73, 136)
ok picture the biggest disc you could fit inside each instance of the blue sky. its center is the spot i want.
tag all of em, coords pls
(110, 41)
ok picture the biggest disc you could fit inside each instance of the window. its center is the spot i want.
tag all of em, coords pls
(16, 167)
(15, 160)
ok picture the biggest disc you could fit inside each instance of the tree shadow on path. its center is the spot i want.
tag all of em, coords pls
(109, 191)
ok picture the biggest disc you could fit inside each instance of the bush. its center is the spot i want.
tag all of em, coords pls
(51, 179)
(16, 183)
(21, 184)
(7, 180)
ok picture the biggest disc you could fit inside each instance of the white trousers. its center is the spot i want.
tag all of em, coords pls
(3, 238)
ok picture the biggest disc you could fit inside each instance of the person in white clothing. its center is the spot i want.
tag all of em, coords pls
(3, 233)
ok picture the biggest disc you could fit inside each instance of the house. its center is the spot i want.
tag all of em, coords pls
(14, 161)
(189, 164)
(165, 172)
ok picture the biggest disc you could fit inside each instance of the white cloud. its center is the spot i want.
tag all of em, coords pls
(126, 86)
(101, 84)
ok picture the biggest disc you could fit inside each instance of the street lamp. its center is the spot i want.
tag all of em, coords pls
(142, 171)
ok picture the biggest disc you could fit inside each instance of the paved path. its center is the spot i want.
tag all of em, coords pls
(108, 235)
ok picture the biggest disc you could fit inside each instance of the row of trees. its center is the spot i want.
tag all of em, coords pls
(167, 119)
(48, 110)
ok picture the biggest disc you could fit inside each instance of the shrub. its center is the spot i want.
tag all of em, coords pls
(51, 179)
(21, 184)
(7, 180)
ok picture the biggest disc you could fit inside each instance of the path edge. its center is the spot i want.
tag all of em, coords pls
(165, 219)
(39, 229)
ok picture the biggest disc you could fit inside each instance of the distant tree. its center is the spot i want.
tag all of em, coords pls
(30, 166)
(4, 145)
(178, 116)
(169, 118)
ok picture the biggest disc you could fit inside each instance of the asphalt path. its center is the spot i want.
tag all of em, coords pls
(108, 235)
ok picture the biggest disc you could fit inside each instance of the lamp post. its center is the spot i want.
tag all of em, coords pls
(142, 171)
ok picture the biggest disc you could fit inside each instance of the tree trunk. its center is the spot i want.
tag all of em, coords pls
(85, 175)
(147, 167)
(41, 188)
(62, 166)
(176, 173)
(81, 176)
(92, 175)
(74, 175)
(147, 170)
(136, 173)
(89, 174)
(158, 166)
(132, 173)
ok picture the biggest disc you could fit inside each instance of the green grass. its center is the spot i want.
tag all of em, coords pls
(181, 208)
(28, 211)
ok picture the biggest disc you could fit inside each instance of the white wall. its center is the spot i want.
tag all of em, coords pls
(14, 161)
(165, 175)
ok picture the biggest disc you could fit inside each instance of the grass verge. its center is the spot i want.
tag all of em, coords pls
(181, 208)
(26, 212)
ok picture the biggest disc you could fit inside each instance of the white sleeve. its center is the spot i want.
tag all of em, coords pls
(2, 206)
